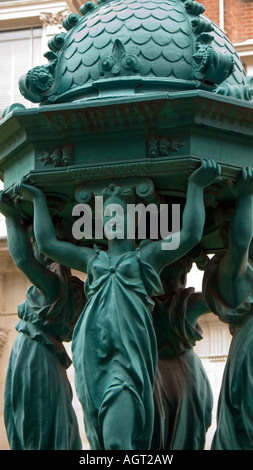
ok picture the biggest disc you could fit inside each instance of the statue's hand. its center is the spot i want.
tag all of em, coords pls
(28, 192)
(7, 208)
(244, 185)
(208, 172)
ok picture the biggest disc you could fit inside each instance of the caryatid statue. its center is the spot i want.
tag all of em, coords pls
(38, 409)
(114, 344)
(228, 291)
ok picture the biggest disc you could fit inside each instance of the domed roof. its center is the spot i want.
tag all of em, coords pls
(136, 46)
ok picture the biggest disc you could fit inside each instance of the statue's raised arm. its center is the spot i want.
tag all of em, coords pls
(193, 218)
(227, 290)
(64, 253)
(23, 252)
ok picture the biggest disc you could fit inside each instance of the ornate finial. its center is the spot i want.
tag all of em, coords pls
(70, 21)
(201, 25)
(50, 56)
(87, 7)
(56, 43)
(194, 8)
(204, 39)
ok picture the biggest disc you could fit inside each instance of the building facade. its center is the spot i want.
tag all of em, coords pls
(235, 18)
(25, 28)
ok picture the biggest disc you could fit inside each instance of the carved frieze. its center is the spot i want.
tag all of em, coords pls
(60, 156)
(162, 146)
(54, 18)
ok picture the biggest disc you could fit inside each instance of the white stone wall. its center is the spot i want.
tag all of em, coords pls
(212, 351)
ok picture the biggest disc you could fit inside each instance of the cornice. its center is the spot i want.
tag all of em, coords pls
(198, 106)
(74, 5)
(7, 7)
(27, 13)
(245, 48)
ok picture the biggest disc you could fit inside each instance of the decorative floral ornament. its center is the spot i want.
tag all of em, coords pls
(119, 62)
(37, 81)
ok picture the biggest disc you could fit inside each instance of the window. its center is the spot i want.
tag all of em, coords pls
(19, 51)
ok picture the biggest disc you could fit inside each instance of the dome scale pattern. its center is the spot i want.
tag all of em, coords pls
(143, 45)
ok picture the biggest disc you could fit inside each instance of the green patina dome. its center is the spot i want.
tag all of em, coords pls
(131, 47)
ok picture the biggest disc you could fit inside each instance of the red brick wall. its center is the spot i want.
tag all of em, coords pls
(238, 17)
(212, 10)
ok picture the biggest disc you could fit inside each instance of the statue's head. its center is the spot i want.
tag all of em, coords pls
(223, 215)
(116, 217)
(122, 206)
(42, 259)
(174, 276)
